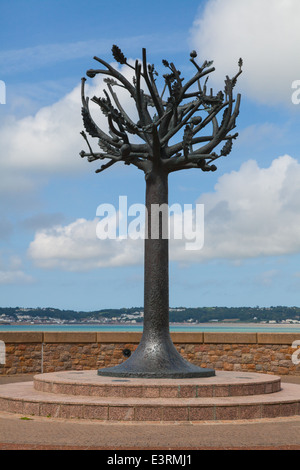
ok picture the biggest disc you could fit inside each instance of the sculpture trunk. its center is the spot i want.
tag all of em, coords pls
(156, 265)
(156, 355)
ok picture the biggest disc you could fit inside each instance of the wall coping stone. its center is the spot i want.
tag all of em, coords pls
(135, 337)
(118, 337)
(70, 337)
(230, 338)
(187, 337)
(21, 336)
(277, 338)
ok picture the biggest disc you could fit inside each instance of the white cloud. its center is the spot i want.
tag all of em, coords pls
(267, 277)
(15, 277)
(45, 55)
(253, 212)
(11, 272)
(48, 54)
(49, 142)
(264, 33)
(34, 147)
(75, 247)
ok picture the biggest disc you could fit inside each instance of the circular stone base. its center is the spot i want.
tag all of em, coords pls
(85, 395)
(224, 384)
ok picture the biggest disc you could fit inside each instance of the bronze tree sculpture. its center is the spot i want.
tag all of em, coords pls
(176, 114)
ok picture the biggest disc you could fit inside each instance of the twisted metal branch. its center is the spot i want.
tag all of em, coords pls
(181, 110)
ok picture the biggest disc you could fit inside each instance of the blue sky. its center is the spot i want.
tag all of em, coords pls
(49, 252)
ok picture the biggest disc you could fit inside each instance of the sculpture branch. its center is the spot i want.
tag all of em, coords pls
(151, 88)
(179, 112)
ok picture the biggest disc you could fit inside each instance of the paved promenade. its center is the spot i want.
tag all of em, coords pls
(23, 432)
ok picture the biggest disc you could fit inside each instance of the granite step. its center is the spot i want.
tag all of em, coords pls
(22, 398)
(224, 384)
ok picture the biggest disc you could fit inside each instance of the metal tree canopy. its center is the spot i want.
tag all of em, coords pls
(176, 112)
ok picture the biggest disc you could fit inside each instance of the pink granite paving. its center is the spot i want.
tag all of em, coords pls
(23, 398)
(46, 433)
(223, 384)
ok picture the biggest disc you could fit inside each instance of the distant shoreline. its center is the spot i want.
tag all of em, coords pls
(138, 327)
(219, 322)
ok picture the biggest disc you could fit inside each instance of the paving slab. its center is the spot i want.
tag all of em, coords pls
(60, 433)
(42, 433)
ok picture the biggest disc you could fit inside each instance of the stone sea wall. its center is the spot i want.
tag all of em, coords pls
(36, 352)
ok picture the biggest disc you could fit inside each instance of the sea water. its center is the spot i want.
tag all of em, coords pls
(185, 328)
